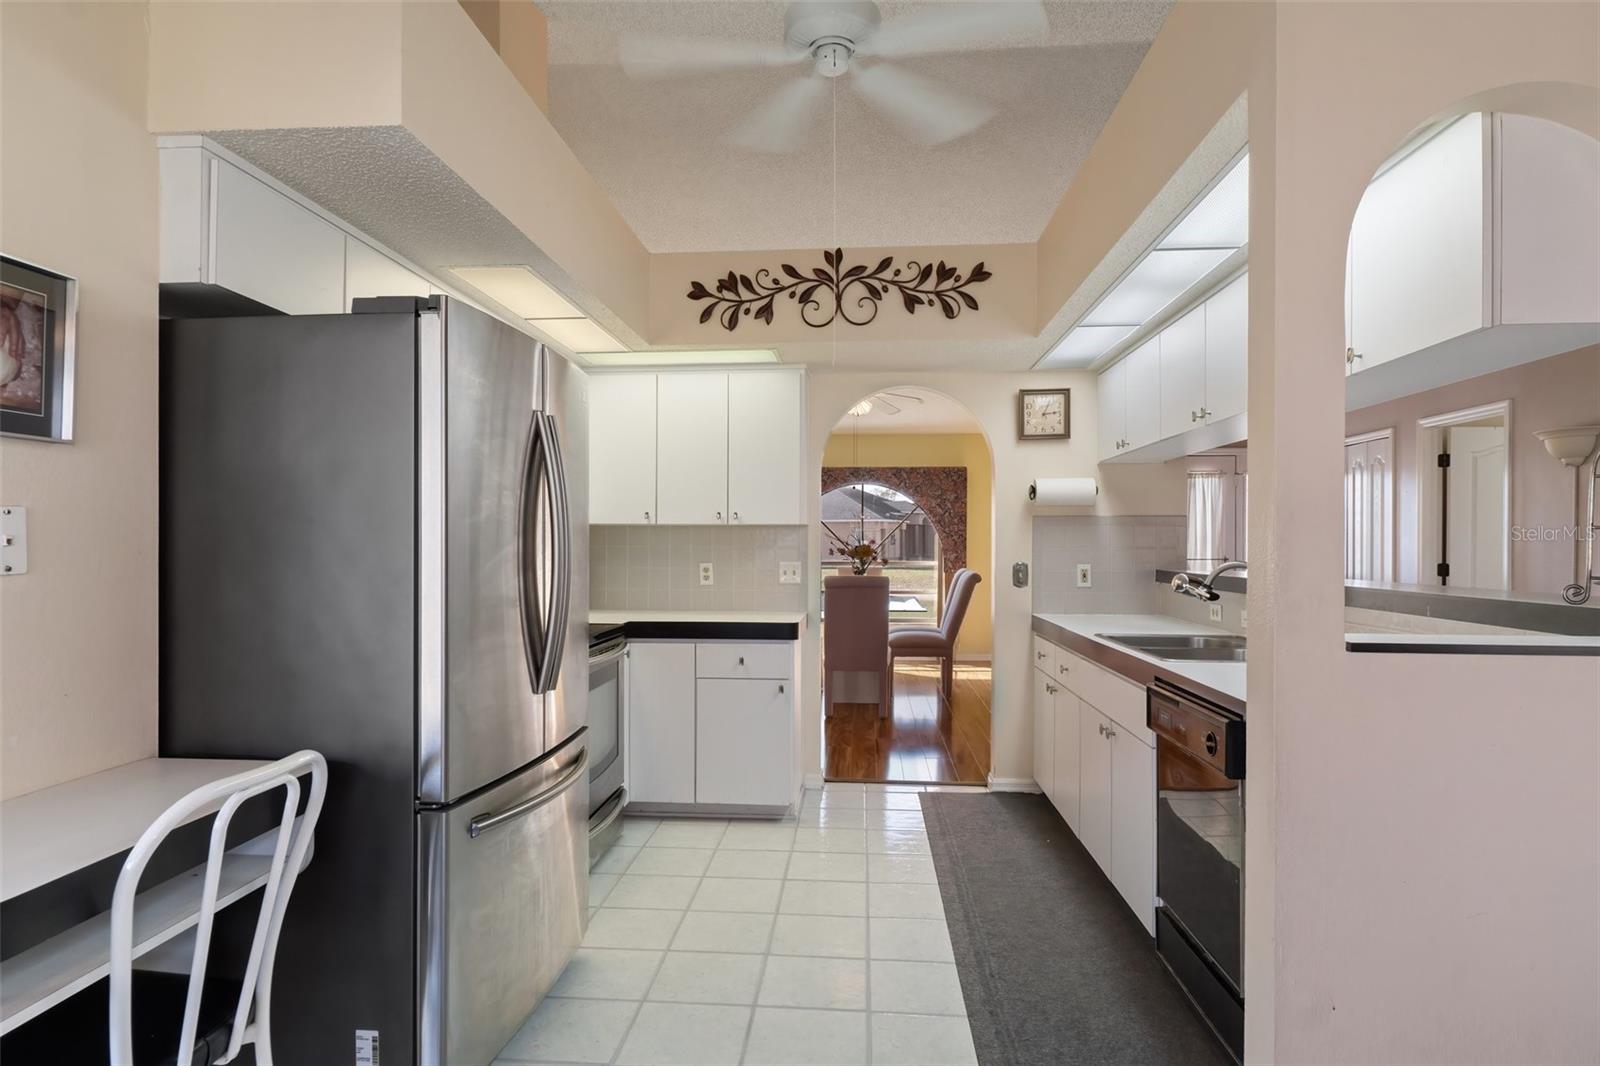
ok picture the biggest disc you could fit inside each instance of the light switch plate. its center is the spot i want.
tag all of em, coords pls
(13, 540)
(1216, 612)
(788, 573)
(1085, 576)
(705, 573)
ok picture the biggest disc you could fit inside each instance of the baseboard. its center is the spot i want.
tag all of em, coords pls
(813, 781)
(1013, 784)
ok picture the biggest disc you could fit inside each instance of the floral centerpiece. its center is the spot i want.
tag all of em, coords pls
(862, 555)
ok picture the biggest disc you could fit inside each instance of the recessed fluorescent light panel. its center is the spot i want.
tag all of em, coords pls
(1158, 279)
(1211, 231)
(577, 335)
(1222, 217)
(694, 358)
(519, 290)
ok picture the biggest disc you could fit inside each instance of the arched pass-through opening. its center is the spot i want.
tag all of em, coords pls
(900, 457)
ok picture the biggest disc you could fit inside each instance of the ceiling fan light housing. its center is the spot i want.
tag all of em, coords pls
(833, 57)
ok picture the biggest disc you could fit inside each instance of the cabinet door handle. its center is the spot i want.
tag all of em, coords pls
(741, 660)
(780, 690)
(647, 516)
(1038, 655)
(736, 516)
(1062, 668)
(719, 516)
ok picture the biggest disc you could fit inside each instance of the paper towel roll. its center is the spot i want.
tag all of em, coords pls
(1063, 492)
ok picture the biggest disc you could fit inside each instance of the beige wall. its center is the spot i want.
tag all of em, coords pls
(1423, 832)
(78, 630)
(940, 449)
(1563, 390)
(992, 399)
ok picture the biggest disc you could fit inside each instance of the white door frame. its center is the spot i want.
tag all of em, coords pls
(1430, 517)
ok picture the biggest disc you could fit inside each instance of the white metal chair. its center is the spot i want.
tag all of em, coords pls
(290, 844)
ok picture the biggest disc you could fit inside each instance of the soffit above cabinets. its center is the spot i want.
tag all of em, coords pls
(1204, 246)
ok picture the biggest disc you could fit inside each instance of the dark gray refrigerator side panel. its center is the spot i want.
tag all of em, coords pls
(287, 621)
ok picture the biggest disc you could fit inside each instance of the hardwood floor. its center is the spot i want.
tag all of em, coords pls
(926, 740)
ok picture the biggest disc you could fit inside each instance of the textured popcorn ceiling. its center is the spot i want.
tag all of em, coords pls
(658, 149)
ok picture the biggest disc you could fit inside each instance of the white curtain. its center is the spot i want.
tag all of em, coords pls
(1205, 519)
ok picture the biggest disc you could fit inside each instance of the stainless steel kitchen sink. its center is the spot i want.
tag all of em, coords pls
(1191, 647)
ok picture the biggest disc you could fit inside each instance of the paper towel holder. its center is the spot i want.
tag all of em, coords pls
(1033, 489)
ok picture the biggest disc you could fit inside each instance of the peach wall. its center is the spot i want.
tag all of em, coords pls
(1563, 390)
(78, 630)
(1423, 832)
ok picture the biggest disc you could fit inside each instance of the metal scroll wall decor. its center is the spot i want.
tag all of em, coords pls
(835, 291)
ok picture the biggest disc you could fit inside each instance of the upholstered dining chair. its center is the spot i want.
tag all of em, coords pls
(855, 639)
(936, 642)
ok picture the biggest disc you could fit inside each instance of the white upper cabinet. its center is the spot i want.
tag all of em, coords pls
(1143, 394)
(1228, 350)
(1417, 269)
(622, 449)
(269, 248)
(1183, 373)
(1112, 396)
(692, 448)
(368, 272)
(1475, 250)
(764, 448)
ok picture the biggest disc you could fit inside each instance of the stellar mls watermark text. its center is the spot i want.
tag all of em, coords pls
(1546, 534)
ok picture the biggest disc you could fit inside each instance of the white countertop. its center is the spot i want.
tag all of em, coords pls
(55, 831)
(1227, 678)
(616, 618)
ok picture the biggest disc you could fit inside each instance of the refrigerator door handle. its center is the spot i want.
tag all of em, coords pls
(485, 822)
(534, 640)
(561, 561)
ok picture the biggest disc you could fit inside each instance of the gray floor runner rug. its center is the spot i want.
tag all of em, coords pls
(1055, 968)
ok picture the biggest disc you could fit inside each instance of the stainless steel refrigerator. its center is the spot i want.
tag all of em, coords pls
(374, 538)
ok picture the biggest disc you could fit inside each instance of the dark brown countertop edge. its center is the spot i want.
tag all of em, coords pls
(1129, 666)
(1376, 643)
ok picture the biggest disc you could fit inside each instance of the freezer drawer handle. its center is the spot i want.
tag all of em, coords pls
(485, 822)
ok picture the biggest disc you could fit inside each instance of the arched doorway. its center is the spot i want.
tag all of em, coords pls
(907, 473)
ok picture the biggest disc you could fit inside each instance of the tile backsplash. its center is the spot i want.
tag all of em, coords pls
(658, 567)
(1123, 553)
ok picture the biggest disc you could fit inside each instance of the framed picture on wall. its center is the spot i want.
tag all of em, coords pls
(38, 332)
(1044, 414)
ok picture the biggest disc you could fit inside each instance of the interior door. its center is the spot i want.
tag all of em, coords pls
(1475, 507)
(479, 718)
(692, 449)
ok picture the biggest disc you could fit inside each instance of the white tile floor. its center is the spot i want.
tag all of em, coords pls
(817, 940)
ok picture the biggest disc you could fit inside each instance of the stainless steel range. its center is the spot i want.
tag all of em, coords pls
(1200, 853)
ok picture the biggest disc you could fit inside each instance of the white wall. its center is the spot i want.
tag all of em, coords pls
(78, 631)
(992, 399)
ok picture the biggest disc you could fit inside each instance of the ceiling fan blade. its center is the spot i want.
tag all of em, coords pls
(784, 120)
(960, 27)
(921, 109)
(905, 396)
(888, 406)
(647, 56)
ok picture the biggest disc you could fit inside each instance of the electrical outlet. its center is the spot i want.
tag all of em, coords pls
(788, 573)
(1085, 576)
(1216, 612)
(705, 573)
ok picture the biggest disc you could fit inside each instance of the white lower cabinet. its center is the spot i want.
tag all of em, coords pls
(742, 745)
(1133, 824)
(1068, 766)
(1098, 767)
(661, 728)
(1044, 748)
(712, 723)
(1094, 785)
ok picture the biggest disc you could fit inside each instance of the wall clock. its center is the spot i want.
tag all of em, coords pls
(1044, 414)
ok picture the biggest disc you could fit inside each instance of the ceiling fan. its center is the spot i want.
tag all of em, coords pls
(888, 401)
(834, 35)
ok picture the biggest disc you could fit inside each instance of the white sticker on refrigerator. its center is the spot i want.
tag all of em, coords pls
(366, 1047)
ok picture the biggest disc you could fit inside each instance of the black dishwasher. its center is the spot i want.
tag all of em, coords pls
(1200, 853)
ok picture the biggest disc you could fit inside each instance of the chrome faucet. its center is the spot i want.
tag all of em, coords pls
(1200, 588)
